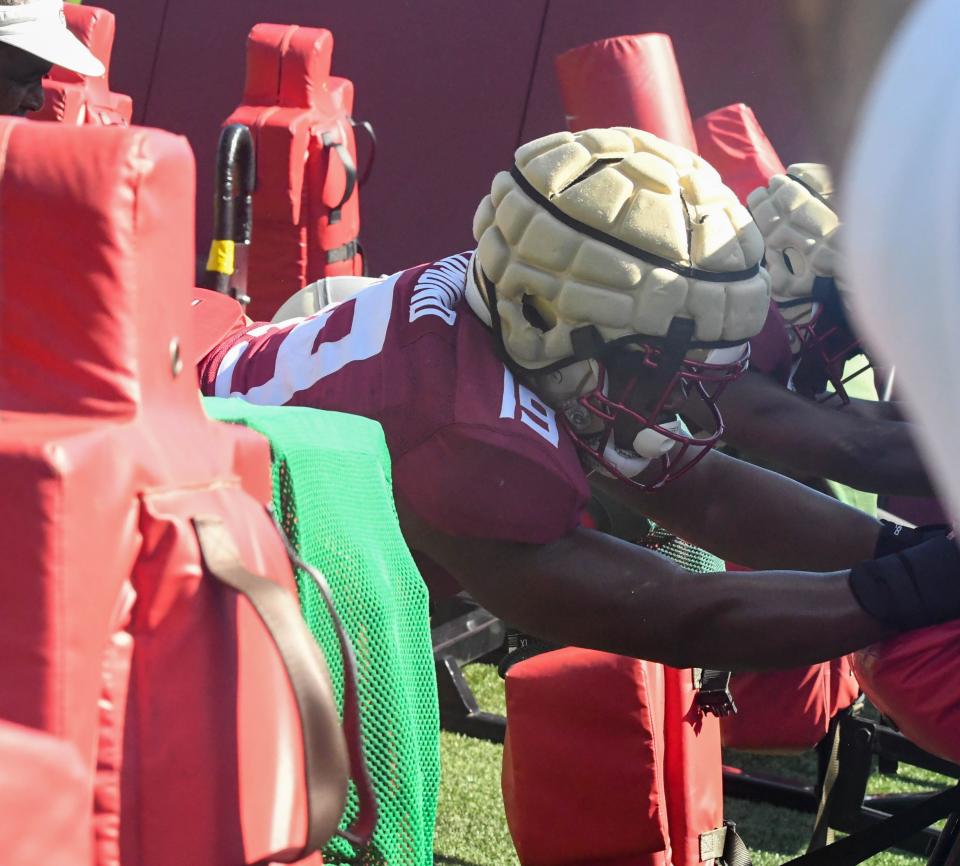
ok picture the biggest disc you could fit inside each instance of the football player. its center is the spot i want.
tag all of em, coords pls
(615, 280)
(806, 363)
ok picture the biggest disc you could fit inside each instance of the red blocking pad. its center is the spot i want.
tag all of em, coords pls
(608, 759)
(120, 644)
(582, 762)
(911, 679)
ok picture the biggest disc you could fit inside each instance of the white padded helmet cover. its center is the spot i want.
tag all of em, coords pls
(636, 189)
(799, 227)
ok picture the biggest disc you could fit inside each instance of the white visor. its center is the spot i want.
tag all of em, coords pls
(40, 28)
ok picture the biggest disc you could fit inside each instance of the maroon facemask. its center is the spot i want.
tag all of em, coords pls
(653, 390)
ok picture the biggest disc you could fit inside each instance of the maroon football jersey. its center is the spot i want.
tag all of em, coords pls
(475, 453)
(770, 349)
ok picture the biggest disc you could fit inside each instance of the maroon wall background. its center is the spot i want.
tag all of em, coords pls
(451, 87)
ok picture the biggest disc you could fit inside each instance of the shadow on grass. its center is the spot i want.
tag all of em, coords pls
(926, 782)
(443, 860)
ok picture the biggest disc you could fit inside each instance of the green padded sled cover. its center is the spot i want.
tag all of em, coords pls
(333, 491)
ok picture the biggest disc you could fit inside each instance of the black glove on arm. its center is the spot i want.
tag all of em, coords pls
(895, 537)
(912, 588)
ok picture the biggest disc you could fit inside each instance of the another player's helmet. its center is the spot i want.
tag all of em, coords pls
(612, 249)
(795, 215)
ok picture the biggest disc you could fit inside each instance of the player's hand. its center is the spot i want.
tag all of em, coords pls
(914, 587)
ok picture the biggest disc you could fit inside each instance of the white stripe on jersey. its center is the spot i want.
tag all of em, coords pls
(297, 367)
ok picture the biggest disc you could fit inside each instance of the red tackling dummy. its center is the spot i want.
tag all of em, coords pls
(124, 642)
(732, 141)
(910, 677)
(76, 99)
(608, 759)
(626, 81)
(306, 209)
(44, 800)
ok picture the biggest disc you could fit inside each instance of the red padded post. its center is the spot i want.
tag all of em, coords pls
(626, 81)
(75, 99)
(733, 142)
(306, 209)
(119, 637)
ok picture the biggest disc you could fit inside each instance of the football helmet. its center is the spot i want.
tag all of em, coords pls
(620, 277)
(801, 230)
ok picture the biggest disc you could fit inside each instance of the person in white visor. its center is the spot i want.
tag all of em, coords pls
(34, 37)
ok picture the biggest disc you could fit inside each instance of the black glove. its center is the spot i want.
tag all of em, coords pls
(895, 537)
(915, 587)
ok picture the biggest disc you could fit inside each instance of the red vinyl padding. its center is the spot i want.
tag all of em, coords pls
(608, 760)
(298, 114)
(76, 99)
(693, 771)
(44, 800)
(788, 710)
(733, 142)
(911, 678)
(162, 681)
(583, 759)
(626, 81)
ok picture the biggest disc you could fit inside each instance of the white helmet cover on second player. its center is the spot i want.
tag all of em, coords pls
(801, 230)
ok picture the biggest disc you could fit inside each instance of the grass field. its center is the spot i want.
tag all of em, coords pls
(471, 830)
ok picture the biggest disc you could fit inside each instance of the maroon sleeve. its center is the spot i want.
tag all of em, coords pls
(478, 482)
(770, 349)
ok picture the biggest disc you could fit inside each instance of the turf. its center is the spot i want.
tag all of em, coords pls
(471, 830)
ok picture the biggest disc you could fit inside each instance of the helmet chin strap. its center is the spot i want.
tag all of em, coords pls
(474, 296)
(651, 444)
(648, 445)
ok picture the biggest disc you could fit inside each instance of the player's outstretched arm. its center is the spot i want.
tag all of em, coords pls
(593, 590)
(768, 422)
(873, 410)
(755, 517)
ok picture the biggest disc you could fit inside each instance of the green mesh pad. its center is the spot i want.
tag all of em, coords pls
(684, 554)
(613, 517)
(333, 489)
